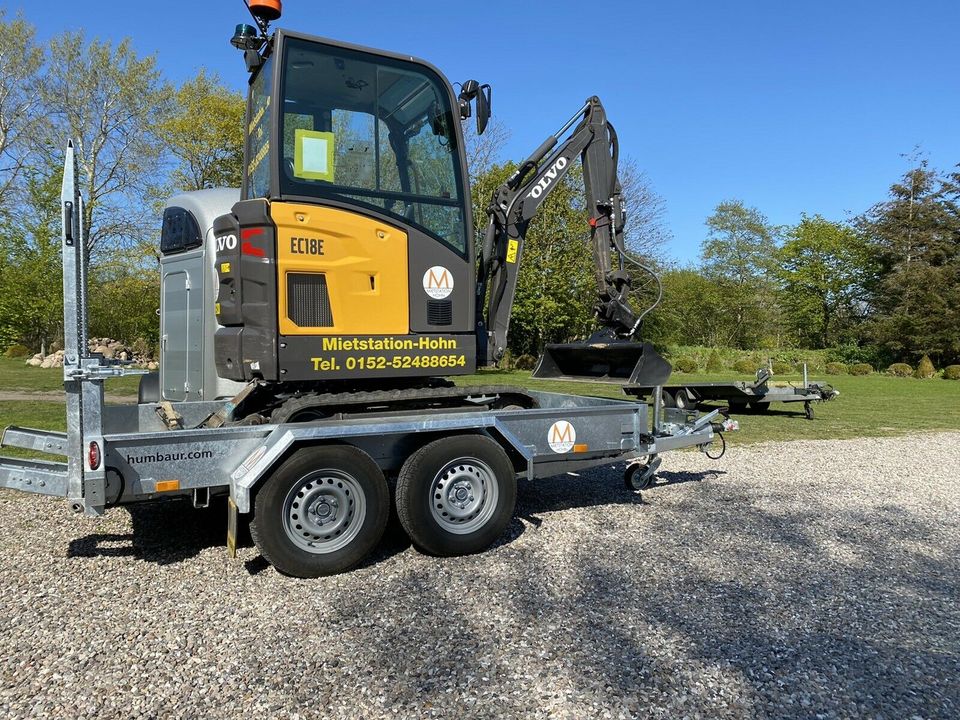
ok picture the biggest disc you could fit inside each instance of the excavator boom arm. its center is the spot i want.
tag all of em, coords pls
(516, 202)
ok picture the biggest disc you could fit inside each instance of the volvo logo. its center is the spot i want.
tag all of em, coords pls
(548, 177)
(226, 242)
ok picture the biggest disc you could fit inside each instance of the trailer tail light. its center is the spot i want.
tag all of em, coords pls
(93, 455)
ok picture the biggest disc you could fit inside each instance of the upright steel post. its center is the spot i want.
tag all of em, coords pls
(657, 408)
(84, 393)
(91, 388)
(71, 246)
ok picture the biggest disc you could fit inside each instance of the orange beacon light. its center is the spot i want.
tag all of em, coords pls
(268, 10)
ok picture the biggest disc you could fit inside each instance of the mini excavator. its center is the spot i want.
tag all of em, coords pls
(347, 274)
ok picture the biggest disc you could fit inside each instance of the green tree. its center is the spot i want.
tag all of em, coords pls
(110, 102)
(693, 311)
(21, 66)
(914, 237)
(125, 298)
(205, 134)
(646, 232)
(555, 285)
(483, 151)
(823, 268)
(738, 255)
(31, 304)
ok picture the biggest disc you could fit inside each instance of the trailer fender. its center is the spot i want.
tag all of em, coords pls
(256, 466)
(519, 453)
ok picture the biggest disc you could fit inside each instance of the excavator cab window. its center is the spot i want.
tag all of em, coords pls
(369, 130)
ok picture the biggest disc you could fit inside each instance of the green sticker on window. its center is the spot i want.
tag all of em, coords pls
(313, 155)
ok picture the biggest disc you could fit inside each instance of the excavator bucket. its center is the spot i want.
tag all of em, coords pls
(625, 363)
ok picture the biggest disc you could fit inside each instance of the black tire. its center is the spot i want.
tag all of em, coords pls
(631, 474)
(332, 485)
(808, 411)
(667, 399)
(444, 467)
(684, 399)
(737, 407)
(760, 407)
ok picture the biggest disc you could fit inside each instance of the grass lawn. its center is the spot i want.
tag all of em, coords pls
(39, 415)
(873, 405)
(16, 375)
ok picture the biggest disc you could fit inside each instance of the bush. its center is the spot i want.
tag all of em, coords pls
(525, 362)
(745, 366)
(900, 370)
(851, 353)
(925, 369)
(782, 368)
(685, 365)
(861, 369)
(836, 368)
(17, 351)
(144, 348)
(951, 372)
(714, 363)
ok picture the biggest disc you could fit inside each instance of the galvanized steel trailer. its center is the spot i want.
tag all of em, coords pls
(738, 394)
(460, 464)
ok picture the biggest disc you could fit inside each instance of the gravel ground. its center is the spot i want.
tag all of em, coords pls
(806, 579)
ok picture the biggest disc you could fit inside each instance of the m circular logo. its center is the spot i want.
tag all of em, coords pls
(438, 282)
(561, 436)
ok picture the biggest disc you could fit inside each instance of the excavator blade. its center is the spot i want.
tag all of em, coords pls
(625, 363)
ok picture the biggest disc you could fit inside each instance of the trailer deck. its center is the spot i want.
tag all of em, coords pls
(565, 433)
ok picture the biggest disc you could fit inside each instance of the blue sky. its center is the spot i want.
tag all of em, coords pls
(790, 107)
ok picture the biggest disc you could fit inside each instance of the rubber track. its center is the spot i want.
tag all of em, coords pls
(413, 398)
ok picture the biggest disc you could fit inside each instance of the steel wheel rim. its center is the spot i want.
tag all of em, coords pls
(324, 511)
(464, 495)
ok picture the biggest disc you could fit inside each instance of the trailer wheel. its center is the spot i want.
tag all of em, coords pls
(455, 496)
(637, 476)
(321, 512)
(808, 410)
(684, 399)
(760, 407)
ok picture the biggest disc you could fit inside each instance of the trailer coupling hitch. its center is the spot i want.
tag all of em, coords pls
(728, 425)
(719, 428)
